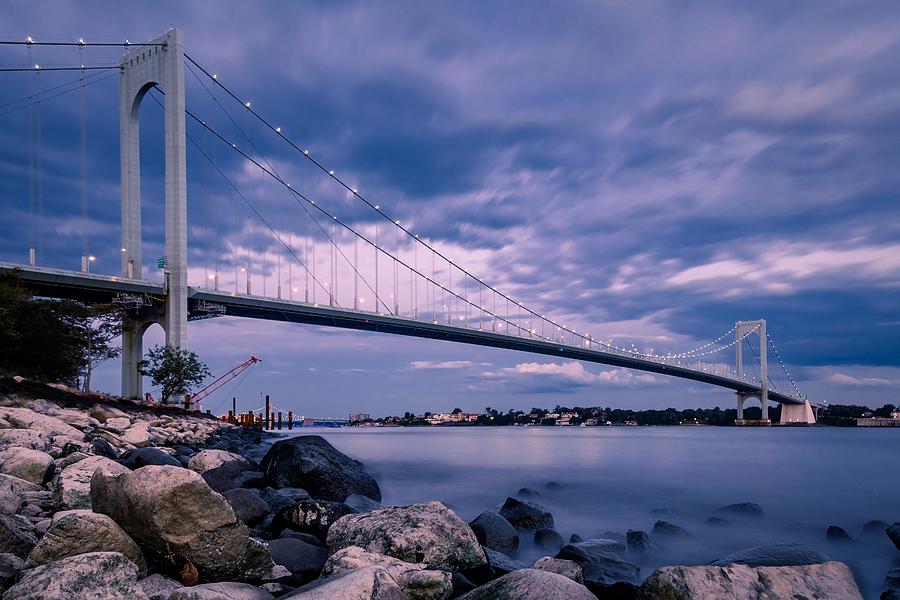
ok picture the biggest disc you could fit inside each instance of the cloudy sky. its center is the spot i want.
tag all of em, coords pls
(649, 172)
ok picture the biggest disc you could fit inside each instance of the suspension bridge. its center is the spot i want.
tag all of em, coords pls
(357, 266)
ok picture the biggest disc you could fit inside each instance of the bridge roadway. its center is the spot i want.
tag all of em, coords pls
(89, 287)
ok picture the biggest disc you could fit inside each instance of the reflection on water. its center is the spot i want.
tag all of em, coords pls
(612, 477)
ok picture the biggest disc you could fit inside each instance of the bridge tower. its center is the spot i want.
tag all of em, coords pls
(158, 63)
(741, 329)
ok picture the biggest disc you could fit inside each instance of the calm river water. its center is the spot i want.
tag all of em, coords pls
(613, 477)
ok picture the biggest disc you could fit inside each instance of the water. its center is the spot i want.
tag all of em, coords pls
(612, 477)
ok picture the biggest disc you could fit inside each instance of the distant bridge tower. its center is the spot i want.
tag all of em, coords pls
(741, 329)
(159, 63)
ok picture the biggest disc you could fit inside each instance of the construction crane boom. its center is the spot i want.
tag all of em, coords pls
(218, 383)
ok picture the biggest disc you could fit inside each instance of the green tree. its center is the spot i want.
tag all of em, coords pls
(176, 370)
(97, 326)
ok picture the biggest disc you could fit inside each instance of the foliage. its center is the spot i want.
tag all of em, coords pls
(178, 371)
(51, 340)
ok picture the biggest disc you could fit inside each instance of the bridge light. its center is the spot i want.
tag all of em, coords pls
(124, 250)
(354, 190)
(81, 41)
(37, 67)
(278, 130)
(306, 152)
(331, 172)
(376, 207)
(127, 42)
(247, 104)
(28, 40)
(92, 258)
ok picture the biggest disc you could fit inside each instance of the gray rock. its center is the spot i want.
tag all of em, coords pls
(34, 466)
(773, 555)
(283, 498)
(893, 532)
(526, 515)
(103, 412)
(175, 516)
(600, 561)
(73, 488)
(91, 576)
(531, 584)
(742, 509)
(666, 529)
(553, 485)
(212, 459)
(312, 516)
(718, 522)
(232, 475)
(638, 542)
(101, 447)
(10, 567)
(429, 534)
(24, 418)
(367, 583)
(80, 531)
(17, 535)
(228, 590)
(417, 582)
(527, 492)
(495, 532)
(311, 463)
(360, 504)
(299, 535)
(832, 580)
(837, 534)
(892, 579)
(249, 507)
(142, 457)
(14, 493)
(548, 539)
(501, 563)
(303, 560)
(25, 438)
(875, 527)
(575, 538)
(566, 568)
(158, 587)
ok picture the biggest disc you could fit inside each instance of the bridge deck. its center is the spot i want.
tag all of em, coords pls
(60, 283)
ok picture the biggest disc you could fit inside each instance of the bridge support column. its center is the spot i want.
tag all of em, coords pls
(132, 350)
(740, 405)
(795, 414)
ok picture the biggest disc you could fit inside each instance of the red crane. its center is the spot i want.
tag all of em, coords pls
(218, 383)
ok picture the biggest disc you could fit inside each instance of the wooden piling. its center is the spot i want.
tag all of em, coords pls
(268, 424)
(279, 420)
(290, 419)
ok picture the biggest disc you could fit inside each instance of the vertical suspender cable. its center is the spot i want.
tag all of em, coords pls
(40, 173)
(84, 182)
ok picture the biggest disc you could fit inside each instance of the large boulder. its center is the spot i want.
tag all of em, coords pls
(670, 530)
(211, 459)
(639, 543)
(548, 539)
(91, 576)
(314, 517)
(283, 498)
(526, 515)
(501, 564)
(893, 532)
(75, 532)
(138, 435)
(34, 466)
(832, 580)
(25, 418)
(229, 590)
(25, 438)
(158, 587)
(176, 517)
(773, 555)
(302, 559)
(566, 568)
(143, 457)
(73, 488)
(311, 463)
(429, 534)
(10, 567)
(14, 493)
(17, 535)
(367, 583)
(249, 507)
(495, 532)
(416, 581)
(600, 561)
(359, 503)
(531, 584)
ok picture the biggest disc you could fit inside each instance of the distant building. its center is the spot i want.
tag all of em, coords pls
(359, 418)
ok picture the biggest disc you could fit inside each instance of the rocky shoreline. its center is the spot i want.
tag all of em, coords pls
(104, 498)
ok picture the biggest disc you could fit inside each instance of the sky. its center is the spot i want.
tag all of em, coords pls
(649, 172)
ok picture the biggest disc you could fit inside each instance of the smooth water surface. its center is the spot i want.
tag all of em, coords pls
(612, 477)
